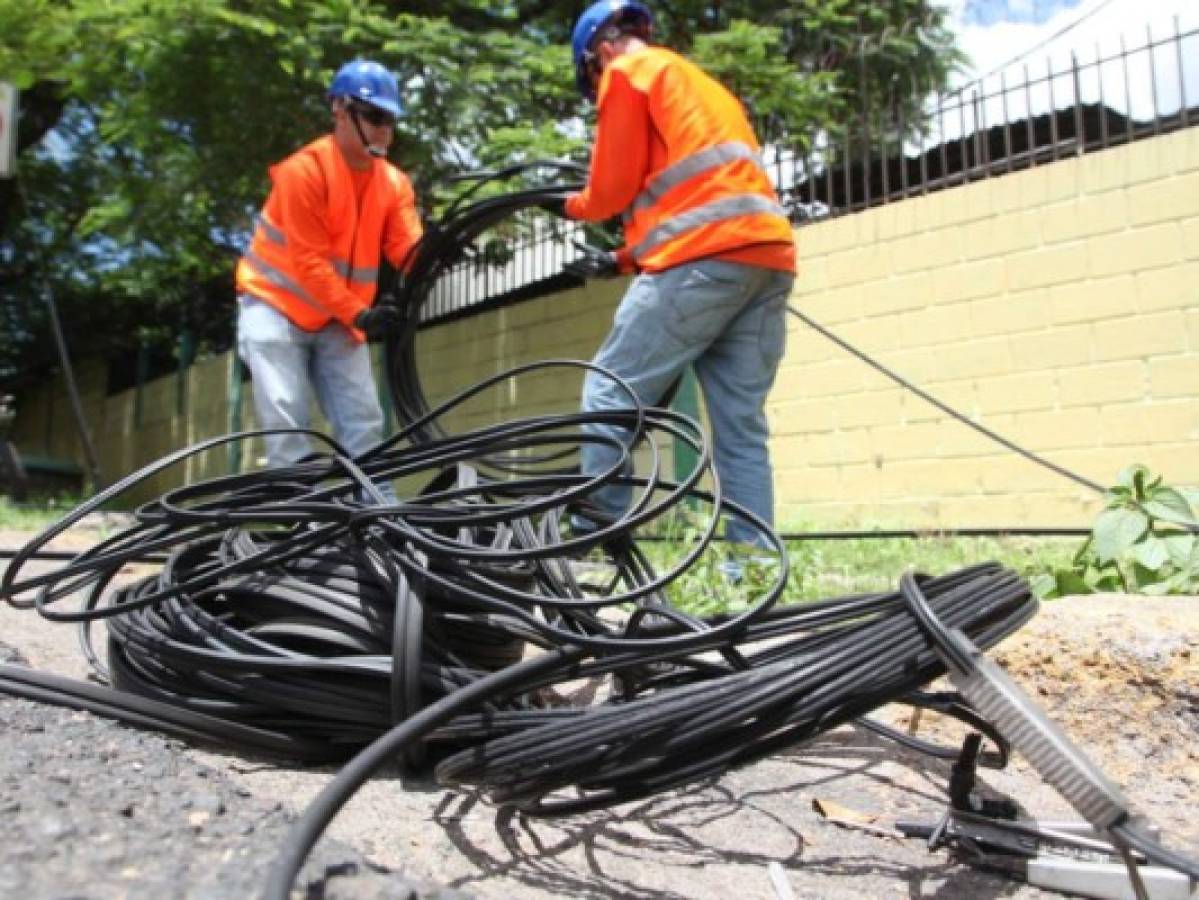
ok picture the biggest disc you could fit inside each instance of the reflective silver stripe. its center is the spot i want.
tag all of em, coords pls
(270, 230)
(341, 266)
(367, 276)
(276, 277)
(716, 211)
(690, 166)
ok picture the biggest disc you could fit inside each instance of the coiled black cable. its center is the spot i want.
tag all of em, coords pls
(285, 614)
(445, 244)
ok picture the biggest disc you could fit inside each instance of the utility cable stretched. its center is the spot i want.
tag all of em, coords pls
(945, 408)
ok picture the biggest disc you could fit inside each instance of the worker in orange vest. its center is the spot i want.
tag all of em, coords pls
(307, 284)
(676, 157)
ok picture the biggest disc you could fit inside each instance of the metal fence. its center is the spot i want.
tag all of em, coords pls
(528, 267)
(1012, 120)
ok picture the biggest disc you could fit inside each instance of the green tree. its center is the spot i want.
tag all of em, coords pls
(147, 126)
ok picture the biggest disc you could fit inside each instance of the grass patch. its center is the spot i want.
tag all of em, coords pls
(822, 569)
(35, 515)
(857, 565)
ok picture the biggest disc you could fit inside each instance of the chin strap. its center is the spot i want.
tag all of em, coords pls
(377, 152)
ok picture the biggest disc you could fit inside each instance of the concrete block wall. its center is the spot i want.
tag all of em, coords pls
(1057, 306)
(131, 432)
(569, 325)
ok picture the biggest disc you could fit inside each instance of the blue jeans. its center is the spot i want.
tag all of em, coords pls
(728, 321)
(287, 363)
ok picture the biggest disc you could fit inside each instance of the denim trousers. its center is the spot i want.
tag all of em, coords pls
(728, 321)
(288, 363)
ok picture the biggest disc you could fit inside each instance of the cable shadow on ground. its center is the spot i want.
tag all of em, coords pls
(683, 829)
(575, 856)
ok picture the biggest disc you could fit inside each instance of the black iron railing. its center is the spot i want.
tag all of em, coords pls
(1009, 121)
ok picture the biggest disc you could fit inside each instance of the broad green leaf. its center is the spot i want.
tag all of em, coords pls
(1069, 583)
(1185, 582)
(1170, 505)
(1044, 586)
(1116, 530)
(1118, 494)
(1143, 576)
(1180, 547)
(1151, 552)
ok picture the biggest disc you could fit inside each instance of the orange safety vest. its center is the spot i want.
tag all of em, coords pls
(266, 271)
(713, 194)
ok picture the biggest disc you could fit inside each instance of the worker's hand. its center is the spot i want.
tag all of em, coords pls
(378, 321)
(594, 263)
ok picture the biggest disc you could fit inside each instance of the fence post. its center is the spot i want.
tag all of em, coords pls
(686, 401)
(234, 401)
(1080, 138)
(187, 355)
(383, 390)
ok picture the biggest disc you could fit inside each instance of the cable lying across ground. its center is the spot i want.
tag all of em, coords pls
(289, 612)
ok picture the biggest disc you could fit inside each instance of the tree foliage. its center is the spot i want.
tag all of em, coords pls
(147, 126)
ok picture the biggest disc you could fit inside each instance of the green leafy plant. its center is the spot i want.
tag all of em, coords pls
(1144, 541)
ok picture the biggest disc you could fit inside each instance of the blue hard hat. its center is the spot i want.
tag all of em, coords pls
(369, 82)
(593, 19)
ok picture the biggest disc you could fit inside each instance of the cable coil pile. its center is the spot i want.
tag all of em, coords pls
(281, 603)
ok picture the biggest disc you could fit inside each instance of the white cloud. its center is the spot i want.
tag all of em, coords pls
(1090, 33)
(1091, 26)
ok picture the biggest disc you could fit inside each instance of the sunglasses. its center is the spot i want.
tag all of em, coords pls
(372, 115)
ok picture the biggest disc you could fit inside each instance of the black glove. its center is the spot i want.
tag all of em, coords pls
(378, 321)
(555, 206)
(594, 263)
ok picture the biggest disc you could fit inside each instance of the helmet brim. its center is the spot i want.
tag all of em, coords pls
(388, 106)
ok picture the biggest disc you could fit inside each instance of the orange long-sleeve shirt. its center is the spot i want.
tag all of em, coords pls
(627, 153)
(304, 207)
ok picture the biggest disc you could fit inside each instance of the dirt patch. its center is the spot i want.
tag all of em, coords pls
(1121, 674)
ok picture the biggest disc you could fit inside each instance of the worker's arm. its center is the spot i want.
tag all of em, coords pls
(620, 158)
(305, 210)
(403, 228)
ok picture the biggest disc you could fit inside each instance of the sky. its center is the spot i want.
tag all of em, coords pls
(1006, 38)
(994, 32)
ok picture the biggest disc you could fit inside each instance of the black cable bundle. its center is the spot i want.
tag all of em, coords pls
(287, 612)
(287, 603)
(837, 661)
(446, 243)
